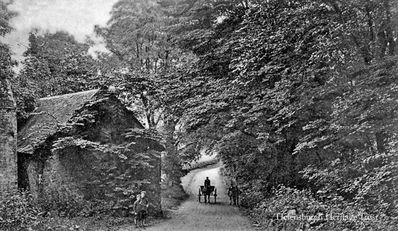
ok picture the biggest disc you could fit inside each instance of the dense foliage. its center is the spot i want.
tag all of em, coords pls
(5, 28)
(299, 93)
(54, 64)
(147, 66)
(18, 211)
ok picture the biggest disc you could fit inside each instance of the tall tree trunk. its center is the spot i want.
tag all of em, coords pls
(171, 162)
(8, 138)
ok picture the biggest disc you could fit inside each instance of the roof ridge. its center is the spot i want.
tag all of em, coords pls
(69, 94)
(55, 110)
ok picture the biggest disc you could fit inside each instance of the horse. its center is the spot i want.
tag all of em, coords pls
(233, 193)
(206, 191)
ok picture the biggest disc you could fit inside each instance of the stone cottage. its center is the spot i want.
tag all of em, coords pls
(88, 145)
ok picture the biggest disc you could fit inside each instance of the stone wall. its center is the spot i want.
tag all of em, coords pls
(8, 133)
(33, 177)
(79, 172)
(153, 189)
(72, 173)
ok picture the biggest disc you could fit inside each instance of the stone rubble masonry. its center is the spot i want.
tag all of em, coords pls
(76, 173)
(8, 132)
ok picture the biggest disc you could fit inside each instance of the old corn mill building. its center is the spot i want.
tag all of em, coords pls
(89, 146)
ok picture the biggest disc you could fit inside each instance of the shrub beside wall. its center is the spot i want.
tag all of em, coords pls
(18, 211)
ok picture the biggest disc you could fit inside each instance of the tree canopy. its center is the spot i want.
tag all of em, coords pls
(5, 28)
(299, 93)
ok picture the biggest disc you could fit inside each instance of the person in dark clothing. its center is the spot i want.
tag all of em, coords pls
(233, 193)
(207, 182)
(206, 189)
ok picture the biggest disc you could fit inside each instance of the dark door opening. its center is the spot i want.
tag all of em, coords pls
(23, 177)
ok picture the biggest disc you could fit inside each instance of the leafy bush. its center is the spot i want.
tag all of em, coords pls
(65, 203)
(18, 211)
(251, 199)
(291, 208)
(62, 202)
(172, 195)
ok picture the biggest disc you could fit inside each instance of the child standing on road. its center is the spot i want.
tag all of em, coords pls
(141, 209)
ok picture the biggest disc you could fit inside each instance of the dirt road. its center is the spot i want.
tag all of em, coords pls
(192, 215)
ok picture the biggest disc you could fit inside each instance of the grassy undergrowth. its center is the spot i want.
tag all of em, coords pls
(172, 196)
(19, 212)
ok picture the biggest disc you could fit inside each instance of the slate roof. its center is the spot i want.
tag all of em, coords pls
(50, 113)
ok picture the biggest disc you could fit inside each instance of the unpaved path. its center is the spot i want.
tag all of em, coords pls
(192, 215)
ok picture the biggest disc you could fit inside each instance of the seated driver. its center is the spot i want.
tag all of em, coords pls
(207, 182)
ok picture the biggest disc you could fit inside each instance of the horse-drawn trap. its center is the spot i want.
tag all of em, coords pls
(207, 192)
